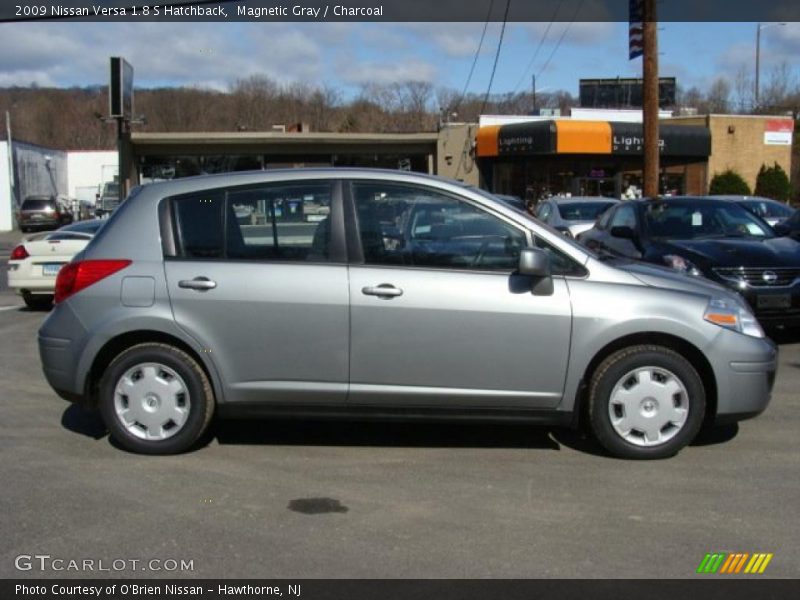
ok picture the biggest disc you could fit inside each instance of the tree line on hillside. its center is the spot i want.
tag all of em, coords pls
(73, 118)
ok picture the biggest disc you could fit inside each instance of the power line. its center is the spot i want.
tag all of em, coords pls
(496, 57)
(475, 60)
(539, 47)
(561, 39)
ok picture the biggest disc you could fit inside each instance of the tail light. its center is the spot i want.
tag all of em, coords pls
(19, 253)
(74, 277)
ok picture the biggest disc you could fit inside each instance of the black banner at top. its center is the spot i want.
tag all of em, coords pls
(391, 10)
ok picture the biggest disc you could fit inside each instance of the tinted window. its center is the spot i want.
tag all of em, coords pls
(544, 211)
(702, 219)
(605, 218)
(416, 226)
(280, 222)
(38, 204)
(582, 211)
(271, 222)
(560, 263)
(199, 225)
(625, 216)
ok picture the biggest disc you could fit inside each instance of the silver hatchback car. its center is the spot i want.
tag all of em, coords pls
(363, 293)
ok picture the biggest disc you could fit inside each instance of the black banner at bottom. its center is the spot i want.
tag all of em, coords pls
(396, 589)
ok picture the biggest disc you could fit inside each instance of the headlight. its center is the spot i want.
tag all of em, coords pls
(732, 315)
(682, 264)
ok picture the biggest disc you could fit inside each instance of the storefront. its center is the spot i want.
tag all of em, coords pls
(537, 159)
(160, 156)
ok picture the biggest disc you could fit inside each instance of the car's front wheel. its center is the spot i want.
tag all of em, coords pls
(646, 402)
(156, 399)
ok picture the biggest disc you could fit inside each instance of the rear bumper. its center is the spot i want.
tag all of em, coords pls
(37, 285)
(58, 365)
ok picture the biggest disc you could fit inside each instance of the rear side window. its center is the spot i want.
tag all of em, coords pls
(281, 222)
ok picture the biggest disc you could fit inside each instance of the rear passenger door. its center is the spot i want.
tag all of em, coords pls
(257, 276)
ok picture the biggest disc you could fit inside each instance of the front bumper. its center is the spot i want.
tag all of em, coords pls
(745, 370)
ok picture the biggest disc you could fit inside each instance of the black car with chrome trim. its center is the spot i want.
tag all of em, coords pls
(717, 239)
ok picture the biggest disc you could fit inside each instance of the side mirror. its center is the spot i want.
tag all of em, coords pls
(624, 232)
(780, 229)
(534, 262)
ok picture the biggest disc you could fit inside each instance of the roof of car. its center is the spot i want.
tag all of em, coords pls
(582, 199)
(742, 198)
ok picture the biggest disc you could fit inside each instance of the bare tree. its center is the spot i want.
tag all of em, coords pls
(718, 95)
(743, 90)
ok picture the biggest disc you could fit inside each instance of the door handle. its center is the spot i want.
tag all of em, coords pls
(201, 284)
(384, 290)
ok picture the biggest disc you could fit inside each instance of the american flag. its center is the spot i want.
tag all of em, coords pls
(635, 28)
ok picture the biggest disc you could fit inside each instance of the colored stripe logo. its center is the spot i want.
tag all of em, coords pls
(732, 563)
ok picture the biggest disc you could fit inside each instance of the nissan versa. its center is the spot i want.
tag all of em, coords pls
(363, 293)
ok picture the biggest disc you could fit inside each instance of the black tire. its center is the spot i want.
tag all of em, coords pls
(611, 372)
(38, 301)
(201, 398)
(24, 229)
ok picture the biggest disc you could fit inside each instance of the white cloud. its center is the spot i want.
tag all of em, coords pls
(386, 72)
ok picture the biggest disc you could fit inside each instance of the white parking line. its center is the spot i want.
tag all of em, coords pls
(2, 308)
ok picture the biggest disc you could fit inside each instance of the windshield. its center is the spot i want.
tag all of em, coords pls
(768, 208)
(703, 219)
(111, 189)
(90, 227)
(583, 211)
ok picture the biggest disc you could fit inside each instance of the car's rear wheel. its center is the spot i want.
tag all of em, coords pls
(646, 402)
(38, 301)
(156, 399)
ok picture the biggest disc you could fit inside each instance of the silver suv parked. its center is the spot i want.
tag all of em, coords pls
(409, 296)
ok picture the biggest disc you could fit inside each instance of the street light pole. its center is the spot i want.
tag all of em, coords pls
(759, 27)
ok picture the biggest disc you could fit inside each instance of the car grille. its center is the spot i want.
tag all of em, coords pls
(766, 277)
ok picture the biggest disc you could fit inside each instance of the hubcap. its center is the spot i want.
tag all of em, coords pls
(648, 406)
(151, 401)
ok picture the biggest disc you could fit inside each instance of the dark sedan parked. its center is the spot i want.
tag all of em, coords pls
(717, 239)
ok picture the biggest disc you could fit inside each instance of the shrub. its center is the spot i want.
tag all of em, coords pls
(729, 182)
(772, 182)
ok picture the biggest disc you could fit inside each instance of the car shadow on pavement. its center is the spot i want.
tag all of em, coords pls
(582, 442)
(382, 434)
(85, 421)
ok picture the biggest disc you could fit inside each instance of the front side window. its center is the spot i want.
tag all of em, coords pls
(624, 217)
(415, 226)
(544, 212)
(280, 222)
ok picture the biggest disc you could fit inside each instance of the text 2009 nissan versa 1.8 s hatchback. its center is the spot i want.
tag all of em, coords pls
(383, 294)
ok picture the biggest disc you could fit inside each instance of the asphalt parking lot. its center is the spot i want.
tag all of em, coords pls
(297, 499)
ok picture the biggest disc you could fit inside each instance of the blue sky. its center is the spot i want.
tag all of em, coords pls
(348, 55)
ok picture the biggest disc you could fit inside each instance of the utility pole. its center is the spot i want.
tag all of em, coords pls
(650, 107)
(759, 27)
(533, 89)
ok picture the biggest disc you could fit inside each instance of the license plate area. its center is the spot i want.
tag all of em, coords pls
(51, 269)
(774, 301)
